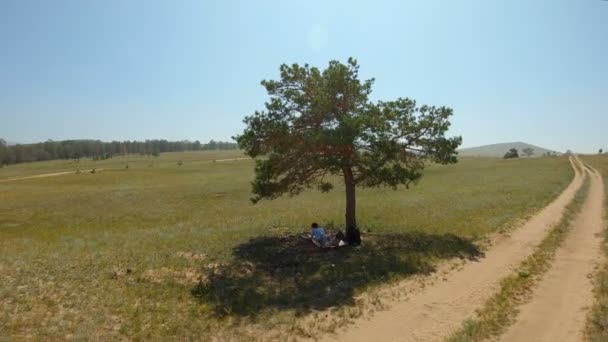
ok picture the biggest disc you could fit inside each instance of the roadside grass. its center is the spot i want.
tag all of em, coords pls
(597, 322)
(501, 309)
(163, 251)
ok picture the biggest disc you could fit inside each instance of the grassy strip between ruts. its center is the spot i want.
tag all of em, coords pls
(501, 309)
(597, 323)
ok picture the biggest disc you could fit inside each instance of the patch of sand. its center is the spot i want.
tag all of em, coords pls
(230, 159)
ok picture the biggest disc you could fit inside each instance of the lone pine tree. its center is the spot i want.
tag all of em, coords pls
(319, 124)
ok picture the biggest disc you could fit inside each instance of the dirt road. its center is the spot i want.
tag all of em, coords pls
(558, 307)
(231, 159)
(54, 174)
(44, 175)
(437, 310)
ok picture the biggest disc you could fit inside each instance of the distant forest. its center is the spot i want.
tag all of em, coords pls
(96, 149)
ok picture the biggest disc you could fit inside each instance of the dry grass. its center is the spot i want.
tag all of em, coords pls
(114, 254)
(597, 323)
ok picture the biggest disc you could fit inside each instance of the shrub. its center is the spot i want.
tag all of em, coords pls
(512, 153)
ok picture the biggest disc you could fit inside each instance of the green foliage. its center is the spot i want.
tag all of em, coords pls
(98, 150)
(4, 153)
(318, 124)
(102, 156)
(512, 153)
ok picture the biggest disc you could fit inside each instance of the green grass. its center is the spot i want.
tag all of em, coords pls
(66, 243)
(118, 162)
(597, 324)
(501, 309)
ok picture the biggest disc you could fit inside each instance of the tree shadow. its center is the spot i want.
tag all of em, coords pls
(288, 272)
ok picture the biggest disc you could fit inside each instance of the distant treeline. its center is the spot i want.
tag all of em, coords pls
(75, 149)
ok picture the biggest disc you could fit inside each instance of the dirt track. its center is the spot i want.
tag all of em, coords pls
(44, 175)
(558, 307)
(439, 309)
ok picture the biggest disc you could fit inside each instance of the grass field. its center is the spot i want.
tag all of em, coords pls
(597, 327)
(119, 253)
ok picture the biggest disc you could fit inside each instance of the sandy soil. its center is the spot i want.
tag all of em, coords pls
(558, 307)
(44, 175)
(437, 310)
(231, 159)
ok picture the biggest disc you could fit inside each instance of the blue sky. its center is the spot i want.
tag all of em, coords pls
(512, 70)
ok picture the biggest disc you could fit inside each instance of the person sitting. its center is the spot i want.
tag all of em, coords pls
(318, 235)
(320, 238)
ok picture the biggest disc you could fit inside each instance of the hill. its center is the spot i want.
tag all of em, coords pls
(499, 150)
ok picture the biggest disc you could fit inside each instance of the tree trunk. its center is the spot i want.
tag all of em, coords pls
(352, 232)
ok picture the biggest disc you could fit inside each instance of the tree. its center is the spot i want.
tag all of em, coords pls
(319, 124)
(212, 145)
(76, 149)
(600, 151)
(3, 152)
(528, 151)
(512, 153)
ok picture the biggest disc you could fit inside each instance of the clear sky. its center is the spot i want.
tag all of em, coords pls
(512, 70)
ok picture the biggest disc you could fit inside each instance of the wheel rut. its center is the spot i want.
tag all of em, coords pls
(437, 310)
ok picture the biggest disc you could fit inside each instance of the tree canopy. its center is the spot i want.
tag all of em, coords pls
(74, 149)
(318, 124)
(512, 153)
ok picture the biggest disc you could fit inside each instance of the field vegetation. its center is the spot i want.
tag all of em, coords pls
(171, 246)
